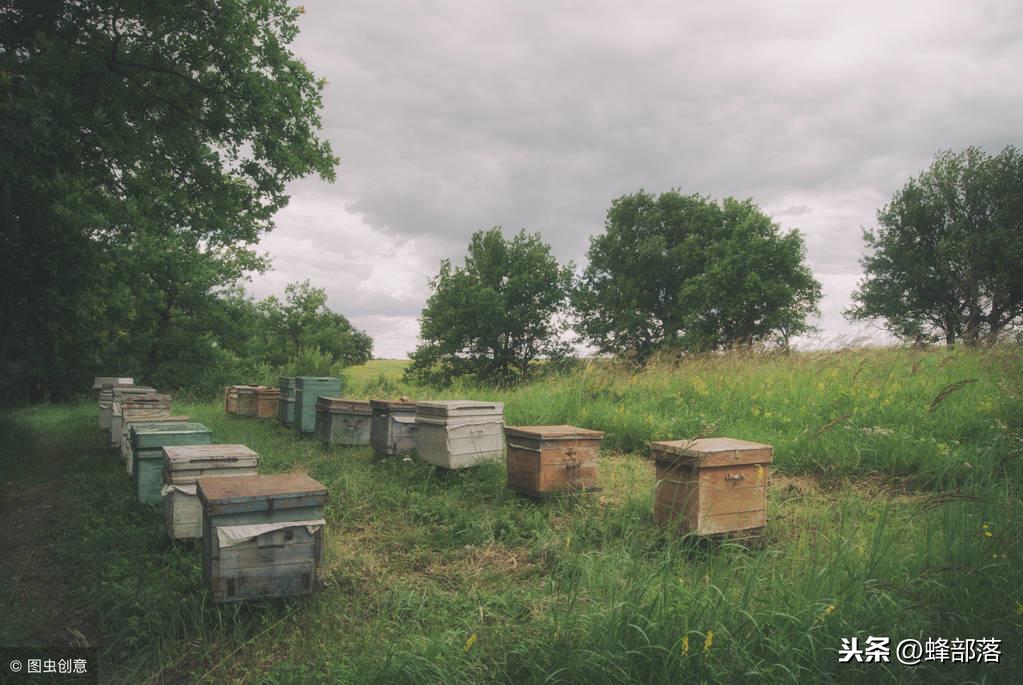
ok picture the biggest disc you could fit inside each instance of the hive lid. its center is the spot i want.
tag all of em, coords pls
(249, 493)
(459, 408)
(712, 451)
(559, 432)
(311, 381)
(267, 391)
(99, 381)
(134, 419)
(393, 405)
(131, 390)
(342, 405)
(152, 435)
(404, 419)
(190, 457)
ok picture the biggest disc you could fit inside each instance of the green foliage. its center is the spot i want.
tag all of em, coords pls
(451, 578)
(946, 261)
(494, 316)
(685, 272)
(144, 148)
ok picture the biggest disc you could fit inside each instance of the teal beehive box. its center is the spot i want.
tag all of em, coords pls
(147, 443)
(307, 389)
(286, 404)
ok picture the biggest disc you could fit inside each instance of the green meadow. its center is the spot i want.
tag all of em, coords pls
(894, 510)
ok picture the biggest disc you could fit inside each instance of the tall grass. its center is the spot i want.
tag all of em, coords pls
(449, 577)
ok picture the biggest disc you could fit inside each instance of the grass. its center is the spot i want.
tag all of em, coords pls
(890, 514)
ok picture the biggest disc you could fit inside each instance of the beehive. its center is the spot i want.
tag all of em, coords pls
(286, 403)
(147, 443)
(230, 399)
(307, 389)
(127, 404)
(126, 450)
(262, 535)
(266, 402)
(246, 400)
(341, 421)
(456, 434)
(183, 465)
(711, 486)
(547, 460)
(106, 399)
(99, 381)
(392, 427)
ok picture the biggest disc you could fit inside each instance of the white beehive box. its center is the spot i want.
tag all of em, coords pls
(457, 434)
(182, 466)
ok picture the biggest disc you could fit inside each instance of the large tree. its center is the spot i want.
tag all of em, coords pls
(135, 126)
(491, 318)
(684, 272)
(946, 259)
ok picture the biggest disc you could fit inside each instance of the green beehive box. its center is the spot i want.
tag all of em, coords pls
(147, 443)
(307, 389)
(286, 405)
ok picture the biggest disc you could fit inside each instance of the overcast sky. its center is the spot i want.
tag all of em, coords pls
(450, 117)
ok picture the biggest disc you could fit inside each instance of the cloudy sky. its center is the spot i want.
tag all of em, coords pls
(450, 117)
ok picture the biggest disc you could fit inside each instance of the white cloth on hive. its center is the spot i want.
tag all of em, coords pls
(229, 536)
(186, 488)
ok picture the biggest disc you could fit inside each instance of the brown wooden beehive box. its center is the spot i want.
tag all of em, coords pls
(549, 460)
(266, 402)
(711, 486)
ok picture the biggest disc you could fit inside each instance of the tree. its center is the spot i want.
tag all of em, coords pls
(492, 317)
(685, 272)
(946, 260)
(135, 126)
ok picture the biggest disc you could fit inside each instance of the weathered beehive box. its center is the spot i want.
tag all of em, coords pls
(246, 400)
(307, 389)
(147, 443)
(183, 465)
(99, 381)
(266, 402)
(341, 421)
(230, 399)
(457, 434)
(286, 403)
(107, 397)
(126, 450)
(153, 404)
(711, 486)
(262, 535)
(392, 427)
(549, 460)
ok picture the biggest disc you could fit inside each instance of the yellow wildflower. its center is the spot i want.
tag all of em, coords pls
(708, 641)
(685, 645)
(470, 642)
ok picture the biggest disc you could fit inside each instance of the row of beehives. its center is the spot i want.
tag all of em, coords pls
(706, 486)
(262, 535)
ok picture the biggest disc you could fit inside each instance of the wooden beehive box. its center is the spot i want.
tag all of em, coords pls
(246, 400)
(126, 449)
(183, 465)
(150, 404)
(147, 443)
(266, 402)
(392, 427)
(99, 381)
(262, 535)
(548, 460)
(711, 486)
(107, 398)
(307, 389)
(341, 421)
(457, 434)
(286, 403)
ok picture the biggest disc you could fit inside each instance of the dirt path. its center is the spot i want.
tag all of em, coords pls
(35, 597)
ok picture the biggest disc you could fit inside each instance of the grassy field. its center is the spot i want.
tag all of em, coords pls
(894, 510)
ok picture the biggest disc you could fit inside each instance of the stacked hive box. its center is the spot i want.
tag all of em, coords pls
(393, 427)
(711, 486)
(147, 443)
(128, 406)
(246, 400)
(126, 449)
(106, 400)
(286, 403)
(262, 535)
(547, 460)
(266, 402)
(230, 399)
(341, 421)
(183, 465)
(307, 389)
(99, 381)
(457, 434)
